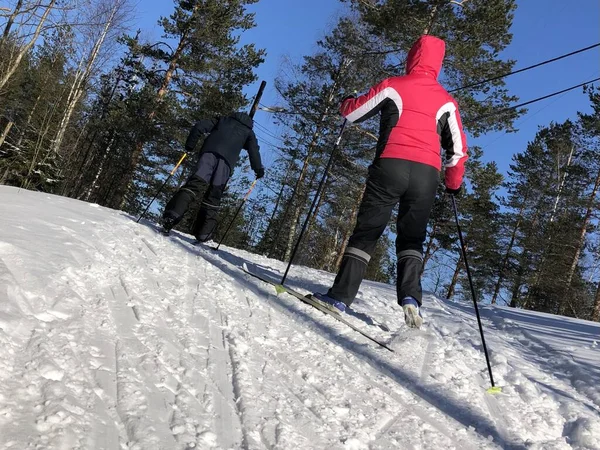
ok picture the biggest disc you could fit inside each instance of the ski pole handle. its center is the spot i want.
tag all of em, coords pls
(162, 186)
(178, 163)
(250, 190)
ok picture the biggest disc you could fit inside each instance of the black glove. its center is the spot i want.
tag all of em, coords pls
(455, 192)
(260, 173)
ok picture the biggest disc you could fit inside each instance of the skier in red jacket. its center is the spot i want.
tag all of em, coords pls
(417, 115)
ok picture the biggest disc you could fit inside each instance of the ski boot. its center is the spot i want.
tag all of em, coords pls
(167, 224)
(412, 312)
(329, 301)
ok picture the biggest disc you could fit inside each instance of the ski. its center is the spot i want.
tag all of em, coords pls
(315, 304)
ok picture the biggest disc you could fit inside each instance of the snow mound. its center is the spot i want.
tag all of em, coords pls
(113, 336)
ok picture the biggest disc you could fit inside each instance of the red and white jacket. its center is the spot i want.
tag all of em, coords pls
(417, 114)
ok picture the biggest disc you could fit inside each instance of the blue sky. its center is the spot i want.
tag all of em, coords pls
(542, 29)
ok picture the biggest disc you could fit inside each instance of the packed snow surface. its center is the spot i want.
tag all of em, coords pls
(113, 336)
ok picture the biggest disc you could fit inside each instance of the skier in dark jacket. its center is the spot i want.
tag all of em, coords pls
(417, 115)
(219, 155)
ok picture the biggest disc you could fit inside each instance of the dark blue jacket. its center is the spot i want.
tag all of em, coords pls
(228, 136)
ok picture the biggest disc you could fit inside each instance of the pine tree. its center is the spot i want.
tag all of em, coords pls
(475, 32)
(590, 132)
(34, 95)
(549, 185)
(201, 75)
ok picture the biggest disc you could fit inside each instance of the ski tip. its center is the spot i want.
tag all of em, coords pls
(279, 289)
(494, 390)
(245, 267)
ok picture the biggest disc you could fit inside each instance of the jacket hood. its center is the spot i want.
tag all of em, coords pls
(243, 118)
(426, 56)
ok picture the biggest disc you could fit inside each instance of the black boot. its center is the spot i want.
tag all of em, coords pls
(178, 205)
(168, 222)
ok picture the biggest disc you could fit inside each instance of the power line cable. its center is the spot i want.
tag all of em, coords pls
(262, 140)
(275, 109)
(535, 100)
(520, 105)
(548, 61)
(277, 149)
(527, 118)
(265, 130)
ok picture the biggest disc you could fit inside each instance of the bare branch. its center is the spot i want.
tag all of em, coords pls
(15, 64)
(365, 132)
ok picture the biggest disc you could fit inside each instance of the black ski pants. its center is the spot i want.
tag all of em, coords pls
(212, 174)
(390, 181)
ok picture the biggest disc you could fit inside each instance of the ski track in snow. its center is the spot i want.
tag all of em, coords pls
(115, 337)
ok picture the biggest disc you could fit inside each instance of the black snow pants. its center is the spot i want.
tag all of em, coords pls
(390, 181)
(212, 173)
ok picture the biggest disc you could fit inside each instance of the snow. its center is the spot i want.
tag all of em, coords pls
(115, 337)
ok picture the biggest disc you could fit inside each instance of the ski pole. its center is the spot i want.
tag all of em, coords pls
(493, 389)
(163, 186)
(236, 214)
(312, 206)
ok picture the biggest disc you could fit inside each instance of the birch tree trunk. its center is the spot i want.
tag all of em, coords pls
(516, 291)
(452, 287)
(276, 207)
(25, 49)
(11, 19)
(561, 185)
(82, 77)
(586, 221)
(435, 9)
(46, 125)
(315, 213)
(580, 243)
(596, 311)
(504, 265)
(100, 169)
(293, 206)
(429, 248)
(7, 128)
(432, 17)
(297, 206)
(29, 119)
(349, 230)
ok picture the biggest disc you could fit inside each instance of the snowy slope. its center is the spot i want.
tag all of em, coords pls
(115, 337)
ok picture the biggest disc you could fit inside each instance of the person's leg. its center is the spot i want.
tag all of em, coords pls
(413, 216)
(180, 202)
(385, 184)
(206, 220)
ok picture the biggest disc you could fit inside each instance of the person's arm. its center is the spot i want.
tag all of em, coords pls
(454, 142)
(367, 105)
(253, 149)
(201, 127)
